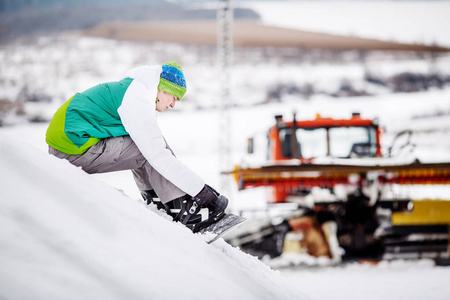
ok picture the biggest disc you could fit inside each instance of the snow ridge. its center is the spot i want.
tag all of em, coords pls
(65, 235)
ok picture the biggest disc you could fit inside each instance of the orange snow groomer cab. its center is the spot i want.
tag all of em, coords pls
(308, 140)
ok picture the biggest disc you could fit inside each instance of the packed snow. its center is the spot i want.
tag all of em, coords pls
(65, 235)
(69, 235)
(72, 236)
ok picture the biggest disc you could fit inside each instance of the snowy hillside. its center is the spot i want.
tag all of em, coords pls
(65, 235)
(422, 22)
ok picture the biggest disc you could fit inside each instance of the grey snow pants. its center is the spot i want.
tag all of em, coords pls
(121, 153)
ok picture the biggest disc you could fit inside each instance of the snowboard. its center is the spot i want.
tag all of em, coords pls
(221, 227)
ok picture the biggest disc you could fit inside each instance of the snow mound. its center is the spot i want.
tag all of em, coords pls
(65, 235)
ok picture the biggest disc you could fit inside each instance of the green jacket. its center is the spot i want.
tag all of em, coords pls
(107, 109)
(88, 117)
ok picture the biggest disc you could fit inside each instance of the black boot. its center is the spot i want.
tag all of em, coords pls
(200, 211)
(211, 199)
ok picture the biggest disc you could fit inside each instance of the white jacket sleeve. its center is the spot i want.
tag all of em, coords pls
(138, 116)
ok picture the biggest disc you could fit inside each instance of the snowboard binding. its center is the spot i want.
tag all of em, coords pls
(187, 211)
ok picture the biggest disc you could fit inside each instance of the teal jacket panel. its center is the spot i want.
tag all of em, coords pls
(88, 117)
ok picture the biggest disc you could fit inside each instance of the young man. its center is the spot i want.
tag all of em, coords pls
(112, 127)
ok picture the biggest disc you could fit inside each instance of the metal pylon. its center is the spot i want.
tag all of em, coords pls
(224, 58)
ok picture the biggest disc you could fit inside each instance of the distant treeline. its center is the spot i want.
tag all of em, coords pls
(27, 17)
(15, 5)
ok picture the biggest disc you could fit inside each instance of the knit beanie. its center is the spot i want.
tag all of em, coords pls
(172, 80)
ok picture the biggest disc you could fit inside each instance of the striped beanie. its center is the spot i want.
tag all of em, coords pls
(172, 80)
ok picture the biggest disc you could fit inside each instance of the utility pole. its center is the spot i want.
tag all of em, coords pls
(224, 58)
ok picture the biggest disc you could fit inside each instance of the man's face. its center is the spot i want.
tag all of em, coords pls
(165, 101)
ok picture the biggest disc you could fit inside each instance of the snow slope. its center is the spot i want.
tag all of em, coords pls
(65, 235)
(61, 241)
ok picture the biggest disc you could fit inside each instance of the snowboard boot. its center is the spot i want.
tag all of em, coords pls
(200, 211)
(150, 196)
